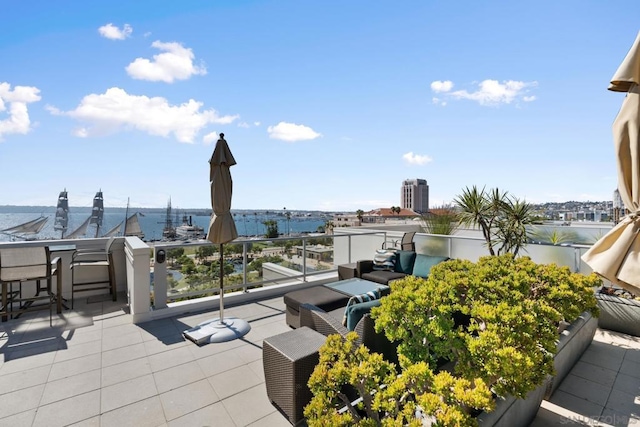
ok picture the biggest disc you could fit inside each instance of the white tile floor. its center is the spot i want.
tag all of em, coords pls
(95, 368)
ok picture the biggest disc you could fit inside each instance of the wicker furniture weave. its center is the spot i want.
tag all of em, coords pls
(328, 323)
(289, 360)
(347, 271)
(323, 297)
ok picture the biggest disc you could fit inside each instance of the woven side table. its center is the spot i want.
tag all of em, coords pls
(289, 360)
(347, 271)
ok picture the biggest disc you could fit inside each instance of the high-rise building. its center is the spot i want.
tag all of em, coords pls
(414, 195)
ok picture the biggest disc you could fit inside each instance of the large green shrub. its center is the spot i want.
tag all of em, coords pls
(496, 319)
(467, 333)
(387, 399)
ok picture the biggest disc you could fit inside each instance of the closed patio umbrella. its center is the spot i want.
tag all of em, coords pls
(616, 256)
(222, 229)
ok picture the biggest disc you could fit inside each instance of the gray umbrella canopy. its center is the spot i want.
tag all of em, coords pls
(222, 228)
(617, 255)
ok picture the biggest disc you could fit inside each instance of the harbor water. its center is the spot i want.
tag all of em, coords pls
(152, 221)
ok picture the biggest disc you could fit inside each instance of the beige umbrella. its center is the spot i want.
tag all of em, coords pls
(616, 256)
(222, 229)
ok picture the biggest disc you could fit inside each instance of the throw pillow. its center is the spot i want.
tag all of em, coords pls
(423, 264)
(404, 262)
(357, 299)
(384, 260)
(357, 311)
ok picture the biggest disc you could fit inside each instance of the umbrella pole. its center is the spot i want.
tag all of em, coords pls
(221, 285)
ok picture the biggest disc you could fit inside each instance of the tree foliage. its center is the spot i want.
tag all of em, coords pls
(271, 228)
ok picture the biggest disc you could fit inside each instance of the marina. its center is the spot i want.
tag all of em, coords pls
(152, 222)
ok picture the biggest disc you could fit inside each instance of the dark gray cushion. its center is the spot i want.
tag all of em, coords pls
(382, 277)
(324, 298)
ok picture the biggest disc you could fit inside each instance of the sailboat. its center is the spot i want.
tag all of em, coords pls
(97, 213)
(80, 231)
(28, 228)
(62, 214)
(130, 224)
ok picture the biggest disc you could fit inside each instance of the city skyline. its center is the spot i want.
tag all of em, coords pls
(326, 106)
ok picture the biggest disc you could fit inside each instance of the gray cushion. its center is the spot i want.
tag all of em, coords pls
(320, 296)
(383, 277)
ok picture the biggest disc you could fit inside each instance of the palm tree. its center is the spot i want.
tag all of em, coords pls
(288, 216)
(360, 214)
(501, 218)
(474, 211)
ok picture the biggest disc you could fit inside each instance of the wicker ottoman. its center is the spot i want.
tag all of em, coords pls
(288, 360)
(320, 296)
(347, 271)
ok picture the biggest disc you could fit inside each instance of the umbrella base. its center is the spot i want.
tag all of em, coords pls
(210, 331)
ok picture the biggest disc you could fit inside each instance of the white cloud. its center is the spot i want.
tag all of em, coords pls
(243, 125)
(18, 98)
(529, 98)
(441, 86)
(116, 110)
(292, 132)
(209, 138)
(176, 63)
(438, 101)
(256, 123)
(112, 32)
(492, 92)
(416, 159)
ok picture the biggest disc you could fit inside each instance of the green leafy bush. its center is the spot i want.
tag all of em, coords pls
(467, 333)
(387, 399)
(496, 319)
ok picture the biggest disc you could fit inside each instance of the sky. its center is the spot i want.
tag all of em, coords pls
(326, 105)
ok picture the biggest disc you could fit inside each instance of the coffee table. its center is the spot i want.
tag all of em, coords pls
(356, 286)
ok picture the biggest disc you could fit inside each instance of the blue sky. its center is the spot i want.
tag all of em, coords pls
(326, 105)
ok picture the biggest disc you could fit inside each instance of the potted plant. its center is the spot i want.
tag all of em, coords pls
(489, 325)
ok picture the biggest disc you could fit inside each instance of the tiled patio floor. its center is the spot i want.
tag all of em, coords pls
(96, 368)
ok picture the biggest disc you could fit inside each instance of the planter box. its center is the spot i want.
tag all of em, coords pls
(619, 314)
(573, 341)
(512, 412)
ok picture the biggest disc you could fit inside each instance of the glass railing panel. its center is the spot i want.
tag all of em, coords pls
(468, 248)
(431, 244)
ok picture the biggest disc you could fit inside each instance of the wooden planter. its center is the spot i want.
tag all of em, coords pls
(619, 314)
(512, 412)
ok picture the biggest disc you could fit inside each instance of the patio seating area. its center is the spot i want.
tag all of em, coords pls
(95, 367)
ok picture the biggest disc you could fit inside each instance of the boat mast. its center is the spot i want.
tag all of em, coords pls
(126, 217)
(61, 222)
(97, 212)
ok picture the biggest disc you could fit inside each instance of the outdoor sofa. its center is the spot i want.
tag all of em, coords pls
(392, 265)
